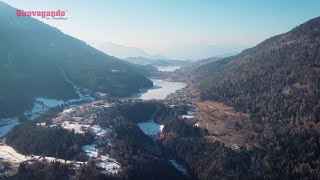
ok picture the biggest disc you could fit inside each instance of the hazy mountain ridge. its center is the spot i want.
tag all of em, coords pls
(156, 62)
(237, 64)
(119, 51)
(194, 65)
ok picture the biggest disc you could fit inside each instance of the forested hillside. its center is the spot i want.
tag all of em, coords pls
(30, 139)
(33, 56)
(278, 83)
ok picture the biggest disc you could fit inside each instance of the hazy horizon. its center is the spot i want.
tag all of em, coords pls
(175, 29)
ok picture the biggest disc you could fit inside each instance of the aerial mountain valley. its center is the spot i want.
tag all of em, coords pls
(71, 111)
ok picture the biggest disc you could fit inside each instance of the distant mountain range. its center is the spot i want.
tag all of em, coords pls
(200, 50)
(121, 51)
(33, 57)
(196, 64)
(117, 50)
(156, 62)
(193, 51)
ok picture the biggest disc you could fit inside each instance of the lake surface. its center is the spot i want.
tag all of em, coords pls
(160, 90)
(167, 68)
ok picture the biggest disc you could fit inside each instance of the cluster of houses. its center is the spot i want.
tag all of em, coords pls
(180, 97)
(86, 113)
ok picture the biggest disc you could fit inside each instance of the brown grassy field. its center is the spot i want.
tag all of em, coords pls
(224, 123)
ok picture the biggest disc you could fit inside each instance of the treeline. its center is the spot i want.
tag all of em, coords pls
(137, 111)
(30, 139)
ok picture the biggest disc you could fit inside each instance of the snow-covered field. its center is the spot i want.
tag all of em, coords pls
(9, 154)
(151, 128)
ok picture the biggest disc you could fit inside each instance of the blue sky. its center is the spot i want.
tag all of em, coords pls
(158, 26)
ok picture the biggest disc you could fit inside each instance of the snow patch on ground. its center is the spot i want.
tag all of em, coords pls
(91, 150)
(41, 124)
(99, 131)
(151, 128)
(161, 128)
(179, 166)
(110, 165)
(197, 124)
(9, 154)
(187, 116)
